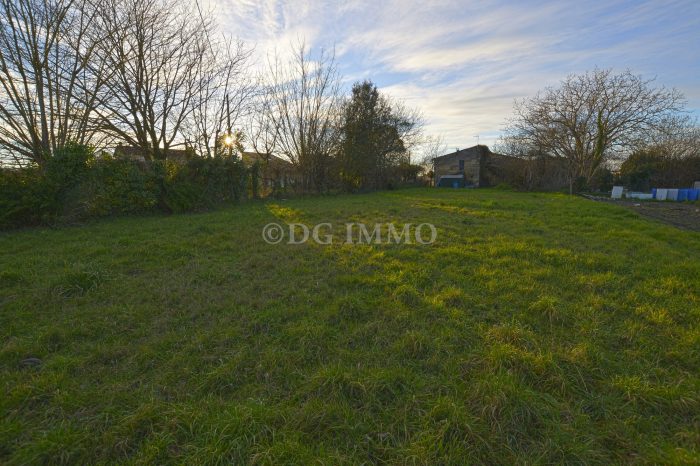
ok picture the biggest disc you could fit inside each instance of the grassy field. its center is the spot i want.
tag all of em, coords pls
(538, 328)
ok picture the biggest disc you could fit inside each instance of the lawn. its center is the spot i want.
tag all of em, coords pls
(538, 328)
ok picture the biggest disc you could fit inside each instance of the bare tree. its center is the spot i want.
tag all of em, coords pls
(156, 49)
(591, 118)
(409, 123)
(677, 137)
(50, 74)
(302, 107)
(263, 128)
(224, 96)
(430, 148)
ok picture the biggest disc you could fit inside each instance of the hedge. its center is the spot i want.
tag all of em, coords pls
(75, 185)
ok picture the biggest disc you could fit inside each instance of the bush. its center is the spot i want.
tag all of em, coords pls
(602, 180)
(651, 168)
(202, 183)
(182, 195)
(68, 167)
(24, 198)
(116, 186)
(75, 185)
(39, 195)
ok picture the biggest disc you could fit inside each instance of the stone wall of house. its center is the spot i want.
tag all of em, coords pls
(449, 165)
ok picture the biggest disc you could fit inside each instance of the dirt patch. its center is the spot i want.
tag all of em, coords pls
(684, 215)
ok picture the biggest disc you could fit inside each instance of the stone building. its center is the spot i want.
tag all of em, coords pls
(472, 167)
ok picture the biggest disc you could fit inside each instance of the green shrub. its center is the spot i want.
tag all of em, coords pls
(68, 167)
(24, 198)
(116, 186)
(75, 185)
(182, 195)
(40, 195)
(202, 183)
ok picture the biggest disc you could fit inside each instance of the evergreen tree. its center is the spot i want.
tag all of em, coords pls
(372, 147)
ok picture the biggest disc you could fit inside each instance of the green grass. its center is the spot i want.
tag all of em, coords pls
(537, 329)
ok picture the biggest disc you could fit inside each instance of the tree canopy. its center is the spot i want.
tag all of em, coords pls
(592, 118)
(376, 136)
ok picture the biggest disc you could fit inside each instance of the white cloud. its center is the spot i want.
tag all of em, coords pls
(463, 62)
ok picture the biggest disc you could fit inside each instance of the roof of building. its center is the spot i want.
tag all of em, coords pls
(269, 159)
(478, 148)
(140, 152)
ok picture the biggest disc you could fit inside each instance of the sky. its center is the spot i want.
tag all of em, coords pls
(464, 62)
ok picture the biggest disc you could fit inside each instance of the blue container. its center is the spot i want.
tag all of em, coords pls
(683, 194)
(653, 193)
(693, 194)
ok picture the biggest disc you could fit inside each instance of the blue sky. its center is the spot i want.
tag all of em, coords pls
(464, 62)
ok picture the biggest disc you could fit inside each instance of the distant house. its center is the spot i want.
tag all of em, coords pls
(275, 172)
(140, 154)
(470, 167)
(479, 167)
